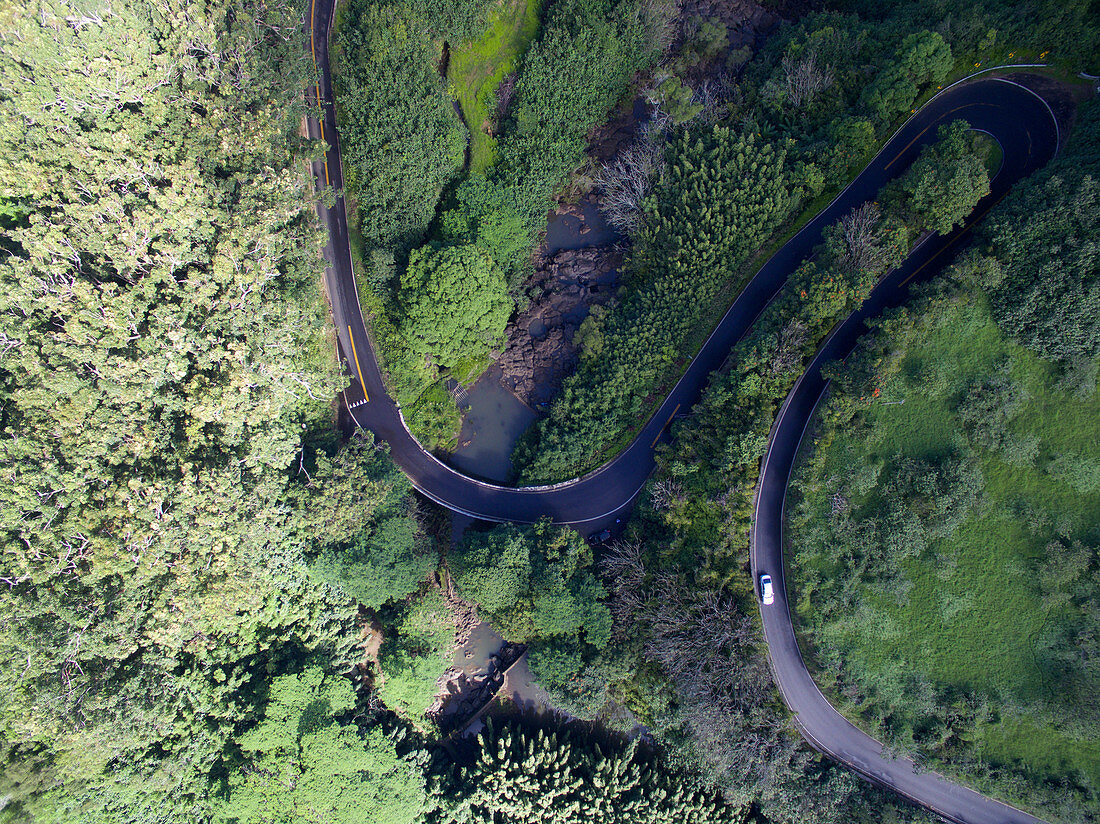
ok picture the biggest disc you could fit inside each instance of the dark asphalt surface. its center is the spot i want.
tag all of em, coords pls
(1017, 118)
(1026, 131)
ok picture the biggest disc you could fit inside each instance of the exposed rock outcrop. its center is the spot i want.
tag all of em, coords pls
(540, 350)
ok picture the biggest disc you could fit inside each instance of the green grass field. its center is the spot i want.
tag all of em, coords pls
(974, 622)
(990, 151)
(477, 68)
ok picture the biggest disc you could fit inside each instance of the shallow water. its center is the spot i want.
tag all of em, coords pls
(472, 657)
(520, 685)
(494, 419)
(564, 231)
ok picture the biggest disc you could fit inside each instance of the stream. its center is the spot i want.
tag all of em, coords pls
(493, 418)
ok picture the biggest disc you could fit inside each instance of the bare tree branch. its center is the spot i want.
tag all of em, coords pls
(805, 79)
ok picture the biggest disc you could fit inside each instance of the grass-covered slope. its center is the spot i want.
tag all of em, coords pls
(944, 549)
(477, 67)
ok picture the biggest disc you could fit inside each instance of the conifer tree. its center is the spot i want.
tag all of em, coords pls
(540, 777)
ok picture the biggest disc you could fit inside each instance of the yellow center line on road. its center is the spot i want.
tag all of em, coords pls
(929, 126)
(317, 86)
(321, 121)
(355, 355)
(662, 429)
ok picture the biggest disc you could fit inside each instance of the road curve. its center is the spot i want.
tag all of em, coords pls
(596, 498)
(1029, 136)
(1024, 126)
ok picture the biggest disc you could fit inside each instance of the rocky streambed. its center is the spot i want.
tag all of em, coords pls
(576, 268)
(541, 348)
(474, 679)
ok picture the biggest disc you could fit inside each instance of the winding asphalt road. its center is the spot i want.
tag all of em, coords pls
(1016, 117)
(1028, 133)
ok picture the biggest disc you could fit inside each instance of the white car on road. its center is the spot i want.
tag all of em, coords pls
(767, 594)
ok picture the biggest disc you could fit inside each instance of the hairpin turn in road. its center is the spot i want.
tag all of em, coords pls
(1015, 116)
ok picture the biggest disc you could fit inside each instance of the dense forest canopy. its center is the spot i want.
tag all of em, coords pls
(1066, 31)
(166, 383)
(217, 607)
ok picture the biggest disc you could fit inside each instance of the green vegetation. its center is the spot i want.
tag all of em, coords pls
(414, 656)
(677, 582)
(990, 151)
(723, 195)
(921, 59)
(805, 118)
(390, 555)
(574, 71)
(169, 464)
(478, 67)
(951, 503)
(403, 143)
(401, 138)
(1049, 299)
(455, 303)
(720, 198)
(1064, 32)
(944, 183)
(218, 609)
(687, 661)
(459, 21)
(573, 74)
(540, 777)
(300, 764)
(824, 90)
(304, 762)
(534, 584)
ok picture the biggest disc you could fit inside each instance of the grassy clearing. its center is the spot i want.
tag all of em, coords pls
(990, 151)
(476, 69)
(469, 369)
(975, 622)
(1020, 740)
(433, 418)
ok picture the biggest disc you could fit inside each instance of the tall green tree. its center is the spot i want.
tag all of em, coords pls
(556, 778)
(946, 181)
(417, 649)
(922, 58)
(387, 563)
(301, 763)
(455, 302)
(384, 554)
(534, 582)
